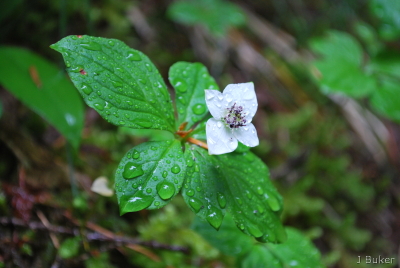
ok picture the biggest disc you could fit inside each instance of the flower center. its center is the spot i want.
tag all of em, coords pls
(235, 117)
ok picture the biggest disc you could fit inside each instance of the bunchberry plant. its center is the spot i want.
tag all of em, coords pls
(126, 89)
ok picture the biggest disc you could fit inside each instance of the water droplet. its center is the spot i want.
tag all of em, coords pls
(254, 230)
(259, 190)
(153, 148)
(249, 195)
(196, 168)
(99, 106)
(149, 190)
(241, 226)
(91, 46)
(198, 188)
(76, 69)
(111, 42)
(148, 66)
(273, 203)
(214, 217)
(156, 203)
(132, 171)
(155, 178)
(181, 100)
(260, 209)
(199, 109)
(121, 122)
(144, 124)
(189, 162)
(219, 124)
(221, 200)
(180, 85)
(175, 169)
(165, 174)
(120, 69)
(190, 192)
(195, 204)
(116, 83)
(86, 89)
(165, 190)
(138, 202)
(134, 56)
(239, 200)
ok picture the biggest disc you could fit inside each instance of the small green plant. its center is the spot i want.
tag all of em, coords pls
(126, 89)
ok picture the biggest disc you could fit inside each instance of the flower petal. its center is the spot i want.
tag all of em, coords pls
(243, 94)
(214, 101)
(247, 135)
(220, 139)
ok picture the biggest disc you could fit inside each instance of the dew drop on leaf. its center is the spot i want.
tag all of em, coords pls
(189, 162)
(134, 56)
(221, 200)
(149, 190)
(165, 190)
(99, 106)
(241, 226)
(199, 109)
(273, 203)
(145, 124)
(86, 89)
(214, 217)
(190, 192)
(148, 67)
(132, 171)
(180, 85)
(91, 46)
(249, 195)
(197, 168)
(175, 169)
(116, 83)
(165, 174)
(259, 190)
(138, 202)
(253, 230)
(195, 204)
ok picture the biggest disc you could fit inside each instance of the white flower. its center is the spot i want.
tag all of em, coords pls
(232, 113)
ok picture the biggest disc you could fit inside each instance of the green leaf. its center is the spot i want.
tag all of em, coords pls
(386, 100)
(190, 80)
(388, 11)
(340, 69)
(238, 182)
(69, 247)
(149, 175)
(387, 62)
(151, 134)
(218, 16)
(229, 240)
(120, 83)
(297, 251)
(43, 88)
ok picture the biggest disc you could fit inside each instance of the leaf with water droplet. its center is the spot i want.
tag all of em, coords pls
(127, 82)
(189, 88)
(228, 239)
(203, 180)
(239, 183)
(297, 251)
(41, 86)
(138, 173)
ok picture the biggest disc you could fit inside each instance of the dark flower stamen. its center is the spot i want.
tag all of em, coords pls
(234, 117)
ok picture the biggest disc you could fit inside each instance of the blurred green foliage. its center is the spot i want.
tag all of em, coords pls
(218, 16)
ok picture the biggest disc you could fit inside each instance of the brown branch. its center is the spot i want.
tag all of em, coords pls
(92, 236)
